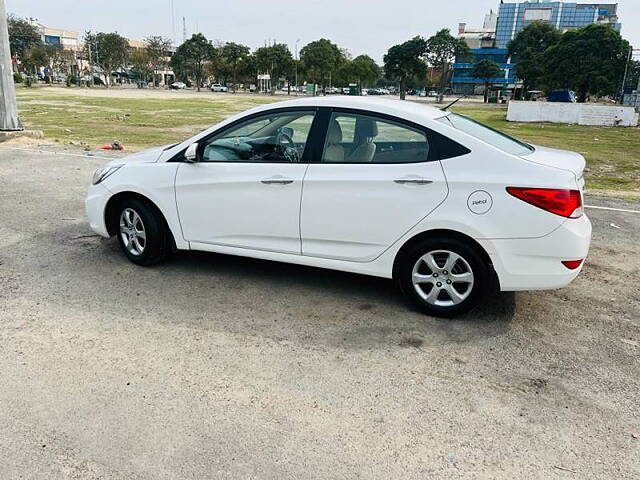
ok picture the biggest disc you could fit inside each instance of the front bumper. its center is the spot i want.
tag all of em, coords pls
(95, 205)
(535, 263)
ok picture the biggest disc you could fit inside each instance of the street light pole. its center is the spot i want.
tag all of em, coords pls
(626, 70)
(297, 41)
(9, 120)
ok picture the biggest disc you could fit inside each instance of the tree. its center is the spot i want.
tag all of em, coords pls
(248, 70)
(158, 50)
(277, 60)
(320, 58)
(109, 51)
(366, 69)
(37, 56)
(528, 49)
(406, 61)
(442, 49)
(589, 60)
(486, 70)
(23, 36)
(191, 58)
(142, 66)
(232, 54)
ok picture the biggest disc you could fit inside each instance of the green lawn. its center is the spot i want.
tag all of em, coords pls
(613, 154)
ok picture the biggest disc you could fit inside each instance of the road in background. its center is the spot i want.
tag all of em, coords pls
(213, 366)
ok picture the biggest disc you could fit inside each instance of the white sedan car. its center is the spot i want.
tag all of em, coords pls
(448, 208)
(216, 87)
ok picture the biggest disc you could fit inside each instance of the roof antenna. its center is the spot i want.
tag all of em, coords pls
(444, 109)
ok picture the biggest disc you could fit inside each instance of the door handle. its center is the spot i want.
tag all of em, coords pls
(277, 181)
(413, 181)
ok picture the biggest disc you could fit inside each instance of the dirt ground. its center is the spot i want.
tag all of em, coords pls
(211, 366)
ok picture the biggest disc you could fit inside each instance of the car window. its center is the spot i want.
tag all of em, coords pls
(487, 134)
(354, 138)
(276, 137)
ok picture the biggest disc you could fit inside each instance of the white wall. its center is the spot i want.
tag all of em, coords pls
(577, 113)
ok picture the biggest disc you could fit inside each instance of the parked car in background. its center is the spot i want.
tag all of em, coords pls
(331, 90)
(568, 96)
(178, 86)
(216, 87)
(432, 93)
(346, 90)
(448, 208)
(364, 92)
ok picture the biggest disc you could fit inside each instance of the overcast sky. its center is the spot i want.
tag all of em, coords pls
(367, 26)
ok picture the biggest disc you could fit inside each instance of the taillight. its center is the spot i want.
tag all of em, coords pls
(566, 203)
(572, 264)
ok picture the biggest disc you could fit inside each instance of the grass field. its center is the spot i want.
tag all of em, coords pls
(140, 120)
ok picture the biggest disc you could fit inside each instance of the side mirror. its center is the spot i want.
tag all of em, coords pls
(191, 155)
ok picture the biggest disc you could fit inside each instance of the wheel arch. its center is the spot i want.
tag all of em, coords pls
(443, 232)
(112, 210)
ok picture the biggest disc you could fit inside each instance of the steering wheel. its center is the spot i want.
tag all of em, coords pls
(284, 143)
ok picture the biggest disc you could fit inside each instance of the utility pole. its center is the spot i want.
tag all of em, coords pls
(296, 57)
(173, 22)
(9, 120)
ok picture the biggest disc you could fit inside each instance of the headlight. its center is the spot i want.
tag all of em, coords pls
(103, 172)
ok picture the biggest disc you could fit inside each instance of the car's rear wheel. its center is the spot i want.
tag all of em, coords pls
(142, 233)
(443, 276)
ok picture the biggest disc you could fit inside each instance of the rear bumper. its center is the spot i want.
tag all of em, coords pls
(536, 263)
(95, 205)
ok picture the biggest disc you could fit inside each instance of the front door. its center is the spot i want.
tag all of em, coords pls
(373, 184)
(245, 190)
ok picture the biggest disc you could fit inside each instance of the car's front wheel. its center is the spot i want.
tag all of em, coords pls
(443, 276)
(142, 233)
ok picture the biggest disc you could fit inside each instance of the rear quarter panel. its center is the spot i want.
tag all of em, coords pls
(489, 170)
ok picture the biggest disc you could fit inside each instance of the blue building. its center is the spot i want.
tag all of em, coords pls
(512, 17)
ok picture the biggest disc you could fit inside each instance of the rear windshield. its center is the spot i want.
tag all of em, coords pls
(487, 134)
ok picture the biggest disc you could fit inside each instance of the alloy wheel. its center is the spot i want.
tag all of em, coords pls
(132, 232)
(442, 278)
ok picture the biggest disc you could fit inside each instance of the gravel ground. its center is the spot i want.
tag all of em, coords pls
(211, 366)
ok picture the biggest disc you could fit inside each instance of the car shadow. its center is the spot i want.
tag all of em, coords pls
(252, 297)
(373, 309)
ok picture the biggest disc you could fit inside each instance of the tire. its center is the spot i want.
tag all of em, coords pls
(443, 276)
(152, 241)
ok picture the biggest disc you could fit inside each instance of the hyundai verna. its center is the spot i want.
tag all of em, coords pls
(447, 207)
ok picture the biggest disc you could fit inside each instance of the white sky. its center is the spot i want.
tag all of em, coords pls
(360, 26)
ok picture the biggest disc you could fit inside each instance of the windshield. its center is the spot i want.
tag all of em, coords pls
(487, 134)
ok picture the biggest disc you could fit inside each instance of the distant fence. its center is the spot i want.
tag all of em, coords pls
(576, 113)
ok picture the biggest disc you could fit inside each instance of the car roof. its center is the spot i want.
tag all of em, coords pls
(416, 111)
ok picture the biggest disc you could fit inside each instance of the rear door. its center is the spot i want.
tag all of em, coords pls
(375, 179)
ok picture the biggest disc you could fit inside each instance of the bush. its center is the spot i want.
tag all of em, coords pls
(28, 81)
(18, 78)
